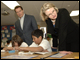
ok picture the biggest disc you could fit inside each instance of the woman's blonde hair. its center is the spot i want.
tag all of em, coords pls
(45, 7)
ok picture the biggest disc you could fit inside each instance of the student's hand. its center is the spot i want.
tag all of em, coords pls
(4, 48)
(65, 52)
(16, 48)
(21, 48)
(44, 51)
(8, 48)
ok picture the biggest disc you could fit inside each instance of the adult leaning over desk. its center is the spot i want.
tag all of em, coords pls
(62, 27)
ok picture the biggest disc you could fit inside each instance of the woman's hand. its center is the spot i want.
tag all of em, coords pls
(54, 47)
(65, 52)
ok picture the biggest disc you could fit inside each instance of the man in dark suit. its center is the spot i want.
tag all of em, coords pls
(62, 27)
(25, 25)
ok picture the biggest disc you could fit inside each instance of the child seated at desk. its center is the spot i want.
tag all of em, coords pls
(39, 44)
(15, 43)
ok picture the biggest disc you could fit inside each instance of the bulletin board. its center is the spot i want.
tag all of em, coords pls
(7, 31)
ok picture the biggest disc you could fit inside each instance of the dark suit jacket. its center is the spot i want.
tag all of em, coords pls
(67, 30)
(28, 26)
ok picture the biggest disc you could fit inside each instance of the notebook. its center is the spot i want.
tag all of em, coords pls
(58, 55)
(19, 57)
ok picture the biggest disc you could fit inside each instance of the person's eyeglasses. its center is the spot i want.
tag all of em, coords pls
(51, 13)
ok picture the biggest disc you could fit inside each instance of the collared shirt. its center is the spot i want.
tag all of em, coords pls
(44, 44)
(53, 22)
(22, 21)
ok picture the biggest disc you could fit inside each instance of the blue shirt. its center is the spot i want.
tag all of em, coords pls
(54, 25)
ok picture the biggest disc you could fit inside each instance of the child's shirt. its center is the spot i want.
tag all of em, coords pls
(44, 44)
(22, 45)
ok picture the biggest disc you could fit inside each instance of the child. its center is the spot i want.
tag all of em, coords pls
(8, 42)
(39, 44)
(15, 43)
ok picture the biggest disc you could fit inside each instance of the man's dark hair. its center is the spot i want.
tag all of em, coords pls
(18, 7)
(37, 33)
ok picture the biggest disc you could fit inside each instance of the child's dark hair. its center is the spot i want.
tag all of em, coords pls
(37, 33)
(8, 41)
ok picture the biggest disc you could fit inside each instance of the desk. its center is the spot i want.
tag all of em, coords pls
(74, 55)
(45, 55)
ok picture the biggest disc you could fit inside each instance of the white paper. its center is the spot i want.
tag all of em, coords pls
(19, 57)
(58, 55)
(21, 53)
(2, 50)
(41, 52)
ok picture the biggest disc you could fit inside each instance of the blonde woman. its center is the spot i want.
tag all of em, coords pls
(62, 27)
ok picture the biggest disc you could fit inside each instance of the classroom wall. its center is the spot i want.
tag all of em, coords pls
(42, 24)
(7, 31)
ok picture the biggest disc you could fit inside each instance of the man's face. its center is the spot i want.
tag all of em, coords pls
(19, 12)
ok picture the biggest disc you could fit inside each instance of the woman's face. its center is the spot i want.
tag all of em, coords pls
(51, 13)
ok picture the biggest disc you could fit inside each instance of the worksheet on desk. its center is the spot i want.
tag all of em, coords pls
(41, 52)
(58, 55)
(19, 57)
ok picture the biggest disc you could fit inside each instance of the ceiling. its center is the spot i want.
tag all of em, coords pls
(33, 8)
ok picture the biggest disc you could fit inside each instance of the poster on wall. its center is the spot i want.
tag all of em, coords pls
(6, 31)
(2, 31)
(12, 27)
(14, 30)
(4, 27)
(3, 35)
(8, 35)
